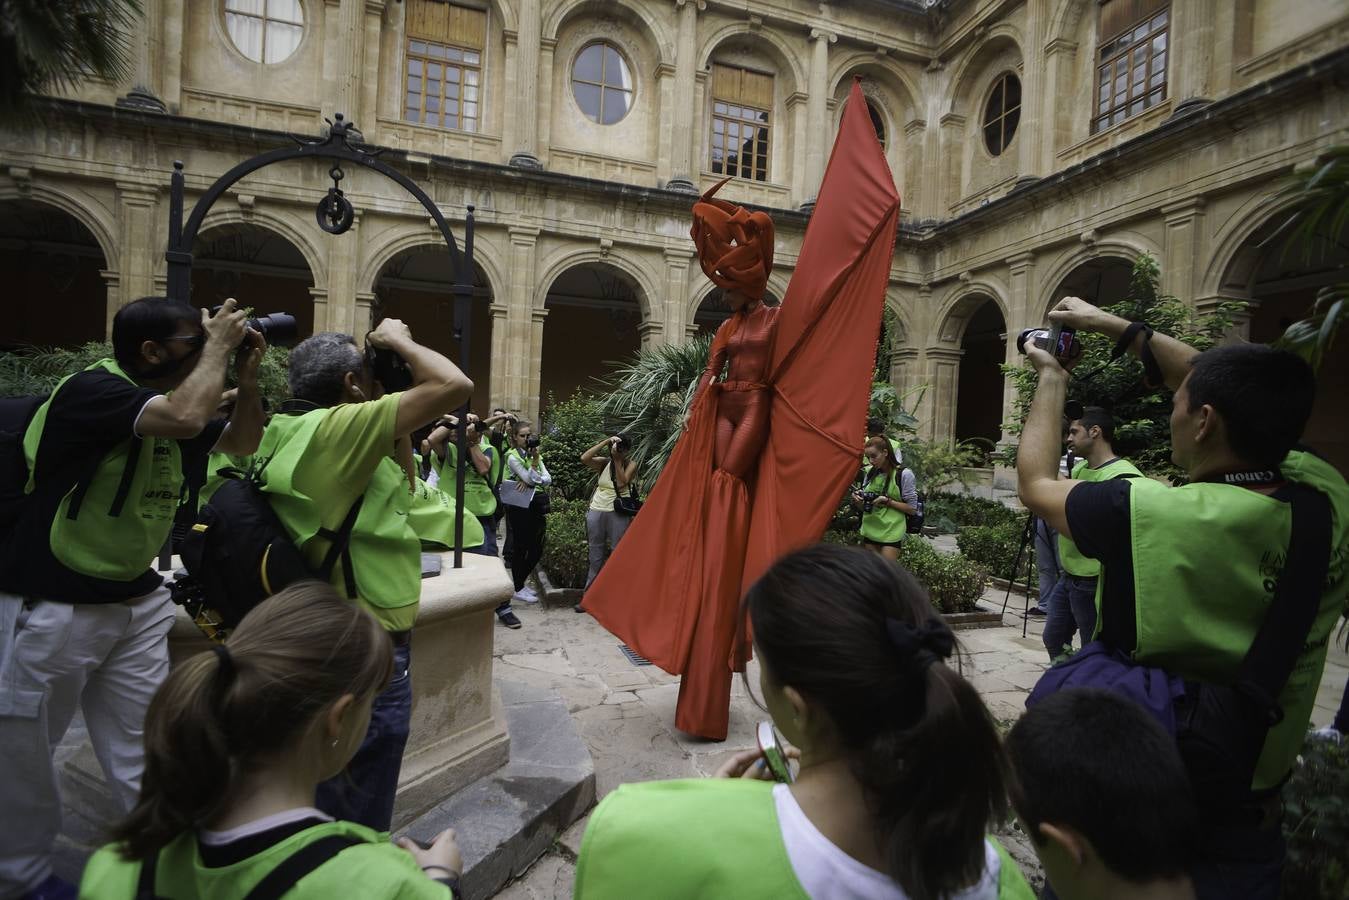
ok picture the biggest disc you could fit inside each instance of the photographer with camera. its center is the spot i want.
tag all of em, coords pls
(330, 468)
(1188, 573)
(480, 477)
(1072, 601)
(526, 513)
(604, 525)
(887, 497)
(83, 619)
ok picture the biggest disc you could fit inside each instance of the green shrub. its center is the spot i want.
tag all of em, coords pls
(566, 556)
(843, 537)
(995, 546)
(964, 509)
(953, 582)
(570, 428)
(1316, 823)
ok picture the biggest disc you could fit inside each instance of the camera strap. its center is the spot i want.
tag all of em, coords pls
(1152, 372)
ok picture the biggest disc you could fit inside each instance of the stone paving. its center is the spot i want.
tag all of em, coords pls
(625, 713)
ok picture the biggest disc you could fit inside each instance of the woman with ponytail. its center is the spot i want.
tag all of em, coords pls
(236, 742)
(901, 768)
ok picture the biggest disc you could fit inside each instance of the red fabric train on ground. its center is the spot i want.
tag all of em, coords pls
(769, 451)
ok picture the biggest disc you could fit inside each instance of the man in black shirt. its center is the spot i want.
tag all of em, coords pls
(83, 619)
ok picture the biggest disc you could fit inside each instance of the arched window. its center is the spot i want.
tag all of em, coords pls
(266, 31)
(1002, 113)
(877, 121)
(601, 82)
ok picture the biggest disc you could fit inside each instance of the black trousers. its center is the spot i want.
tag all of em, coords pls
(527, 527)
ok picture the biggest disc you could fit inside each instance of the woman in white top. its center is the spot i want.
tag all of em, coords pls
(605, 526)
(527, 521)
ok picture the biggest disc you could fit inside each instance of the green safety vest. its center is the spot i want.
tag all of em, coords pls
(524, 461)
(702, 837)
(479, 497)
(1206, 559)
(385, 550)
(1072, 560)
(98, 533)
(373, 868)
(885, 524)
(432, 517)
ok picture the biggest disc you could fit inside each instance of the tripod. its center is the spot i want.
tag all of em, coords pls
(1027, 535)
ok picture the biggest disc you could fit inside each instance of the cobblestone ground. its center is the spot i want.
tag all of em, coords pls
(626, 712)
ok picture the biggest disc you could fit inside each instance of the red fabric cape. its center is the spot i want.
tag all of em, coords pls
(648, 593)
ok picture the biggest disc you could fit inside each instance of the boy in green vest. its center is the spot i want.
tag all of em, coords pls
(1188, 573)
(333, 445)
(1072, 602)
(83, 619)
(1101, 789)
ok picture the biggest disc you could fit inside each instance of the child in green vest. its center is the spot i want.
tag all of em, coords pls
(888, 494)
(236, 742)
(1101, 790)
(901, 769)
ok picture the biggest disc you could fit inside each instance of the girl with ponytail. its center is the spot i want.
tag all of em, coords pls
(236, 742)
(901, 768)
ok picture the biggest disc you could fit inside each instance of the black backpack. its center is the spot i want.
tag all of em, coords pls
(277, 882)
(238, 554)
(16, 414)
(915, 520)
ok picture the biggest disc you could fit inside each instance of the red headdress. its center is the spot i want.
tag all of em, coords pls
(735, 246)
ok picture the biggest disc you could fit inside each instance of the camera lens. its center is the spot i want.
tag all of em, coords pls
(278, 329)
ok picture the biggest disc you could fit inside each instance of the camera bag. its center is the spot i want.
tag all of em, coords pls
(914, 521)
(1221, 729)
(624, 506)
(16, 413)
(239, 553)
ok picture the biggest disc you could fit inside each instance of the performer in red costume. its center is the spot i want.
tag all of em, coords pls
(769, 450)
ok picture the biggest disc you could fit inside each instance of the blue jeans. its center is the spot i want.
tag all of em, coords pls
(365, 792)
(1046, 561)
(1072, 603)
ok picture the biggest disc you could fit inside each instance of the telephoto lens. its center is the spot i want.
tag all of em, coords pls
(278, 329)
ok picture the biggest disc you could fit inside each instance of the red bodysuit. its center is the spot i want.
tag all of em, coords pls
(768, 452)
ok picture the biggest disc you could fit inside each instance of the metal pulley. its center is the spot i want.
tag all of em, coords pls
(334, 211)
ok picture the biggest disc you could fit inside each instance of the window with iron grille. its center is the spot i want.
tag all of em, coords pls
(742, 101)
(1131, 62)
(443, 83)
(1002, 113)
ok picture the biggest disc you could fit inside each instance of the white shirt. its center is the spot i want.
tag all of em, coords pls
(257, 826)
(827, 873)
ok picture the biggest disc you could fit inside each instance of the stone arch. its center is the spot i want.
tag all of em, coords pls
(56, 264)
(485, 256)
(80, 206)
(784, 56)
(885, 72)
(1065, 19)
(1127, 246)
(894, 304)
(964, 302)
(1230, 244)
(571, 258)
(281, 224)
(260, 261)
(986, 56)
(655, 30)
(777, 288)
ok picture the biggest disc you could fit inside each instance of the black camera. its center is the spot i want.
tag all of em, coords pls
(388, 368)
(1058, 340)
(624, 444)
(869, 500)
(278, 329)
(532, 442)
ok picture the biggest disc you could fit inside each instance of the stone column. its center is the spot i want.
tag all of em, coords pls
(952, 158)
(525, 102)
(536, 318)
(1034, 99)
(944, 376)
(519, 363)
(1027, 310)
(903, 369)
(171, 56)
(1060, 60)
(496, 388)
(113, 299)
(343, 295)
(544, 138)
(651, 334)
(318, 298)
(796, 106)
(141, 253)
(913, 197)
(817, 113)
(1190, 55)
(684, 99)
(676, 294)
(147, 50)
(366, 100)
(349, 50)
(1181, 266)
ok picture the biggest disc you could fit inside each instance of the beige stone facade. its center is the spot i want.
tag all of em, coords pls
(581, 246)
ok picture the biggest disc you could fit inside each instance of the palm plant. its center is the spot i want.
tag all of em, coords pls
(48, 46)
(1319, 219)
(647, 397)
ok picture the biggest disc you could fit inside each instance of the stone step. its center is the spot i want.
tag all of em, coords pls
(508, 819)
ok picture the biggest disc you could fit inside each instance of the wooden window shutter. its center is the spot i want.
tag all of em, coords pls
(736, 85)
(447, 23)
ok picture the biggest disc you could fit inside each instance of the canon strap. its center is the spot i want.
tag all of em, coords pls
(1152, 372)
